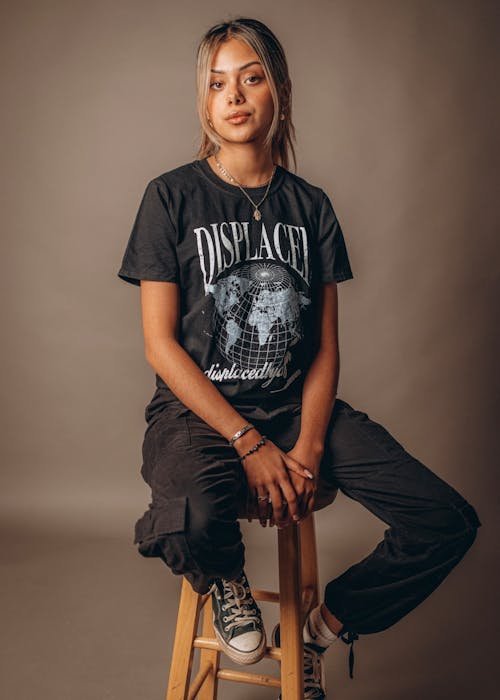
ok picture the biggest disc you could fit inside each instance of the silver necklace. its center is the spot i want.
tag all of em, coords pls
(256, 212)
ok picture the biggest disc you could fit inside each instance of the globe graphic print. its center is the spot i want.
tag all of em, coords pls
(257, 314)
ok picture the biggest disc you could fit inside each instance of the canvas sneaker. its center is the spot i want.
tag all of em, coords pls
(238, 620)
(314, 670)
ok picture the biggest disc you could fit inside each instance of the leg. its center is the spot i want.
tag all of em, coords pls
(431, 525)
(191, 523)
(198, 484)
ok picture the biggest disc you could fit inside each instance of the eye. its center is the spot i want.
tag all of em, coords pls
(256, 78)
(216, 82)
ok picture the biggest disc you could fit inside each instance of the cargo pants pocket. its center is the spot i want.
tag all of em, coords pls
(161, 532)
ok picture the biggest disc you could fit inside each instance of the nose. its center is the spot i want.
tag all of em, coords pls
(235, 97)
(234, 94)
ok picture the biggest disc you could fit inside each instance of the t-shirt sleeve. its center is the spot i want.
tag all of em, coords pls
(332, 251)
(150, 253)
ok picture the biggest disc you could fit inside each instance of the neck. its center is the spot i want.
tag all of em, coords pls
(250, 167)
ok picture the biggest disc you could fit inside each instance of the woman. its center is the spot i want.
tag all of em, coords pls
(238, 260)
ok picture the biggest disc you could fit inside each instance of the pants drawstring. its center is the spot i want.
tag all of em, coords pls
(351, 638)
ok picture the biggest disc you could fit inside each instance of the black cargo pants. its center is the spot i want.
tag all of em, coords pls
(191, 524)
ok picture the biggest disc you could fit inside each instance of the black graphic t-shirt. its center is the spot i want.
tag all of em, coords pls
(247, 287)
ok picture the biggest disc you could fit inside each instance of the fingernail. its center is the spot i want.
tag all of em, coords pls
(296, 517)
(311, 476)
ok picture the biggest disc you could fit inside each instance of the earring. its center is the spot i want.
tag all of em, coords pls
(210, 123)
(282, 116)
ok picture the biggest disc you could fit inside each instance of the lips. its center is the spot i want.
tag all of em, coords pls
(238, 115)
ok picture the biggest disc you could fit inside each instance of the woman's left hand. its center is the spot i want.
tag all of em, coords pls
(304, 488)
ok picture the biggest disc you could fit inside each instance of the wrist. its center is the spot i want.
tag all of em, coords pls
(312, 446)
(240, 433)
(253, 449)
(246, 441)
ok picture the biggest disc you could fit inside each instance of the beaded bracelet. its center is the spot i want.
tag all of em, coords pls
(254, 448)
(241, 432)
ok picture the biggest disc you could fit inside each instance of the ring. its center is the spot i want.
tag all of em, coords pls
(264, 498)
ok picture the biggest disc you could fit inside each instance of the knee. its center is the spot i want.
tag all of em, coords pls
(470, 518)
(453, 523)
(472, 524)
(467, 538)
(211, 524)
(463, 525)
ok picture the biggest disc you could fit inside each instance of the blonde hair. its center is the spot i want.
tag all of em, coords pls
(260, 38)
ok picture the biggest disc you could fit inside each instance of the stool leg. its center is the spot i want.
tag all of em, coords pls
(183, 650)
(292, 645)
(309, 565)
(208, 690)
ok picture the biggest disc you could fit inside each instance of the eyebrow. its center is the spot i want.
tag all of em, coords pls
(216, 70)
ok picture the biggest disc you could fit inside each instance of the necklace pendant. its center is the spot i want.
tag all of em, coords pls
(257, 215)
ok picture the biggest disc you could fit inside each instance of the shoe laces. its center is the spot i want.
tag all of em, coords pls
(312, 674)
(350, 638)
(240, 605)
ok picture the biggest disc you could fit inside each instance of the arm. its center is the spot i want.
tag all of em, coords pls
(320, 385)
(160, 321)
(318, 396)
(267, 468)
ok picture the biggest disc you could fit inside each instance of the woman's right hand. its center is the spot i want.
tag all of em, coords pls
(266, 470)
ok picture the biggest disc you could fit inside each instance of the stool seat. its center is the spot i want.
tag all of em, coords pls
(298, 594)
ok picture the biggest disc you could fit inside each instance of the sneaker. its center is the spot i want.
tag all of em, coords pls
(238, 621)
(314, 670)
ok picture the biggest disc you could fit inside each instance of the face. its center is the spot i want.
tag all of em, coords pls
(238, 84)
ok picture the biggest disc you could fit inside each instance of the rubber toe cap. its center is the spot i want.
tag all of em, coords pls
(248, 641)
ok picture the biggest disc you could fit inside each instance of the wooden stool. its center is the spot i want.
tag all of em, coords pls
(299, 592)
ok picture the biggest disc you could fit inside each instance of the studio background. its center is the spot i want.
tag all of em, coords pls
(394, 106)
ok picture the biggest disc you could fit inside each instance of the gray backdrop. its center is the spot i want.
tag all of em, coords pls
(395, 112)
